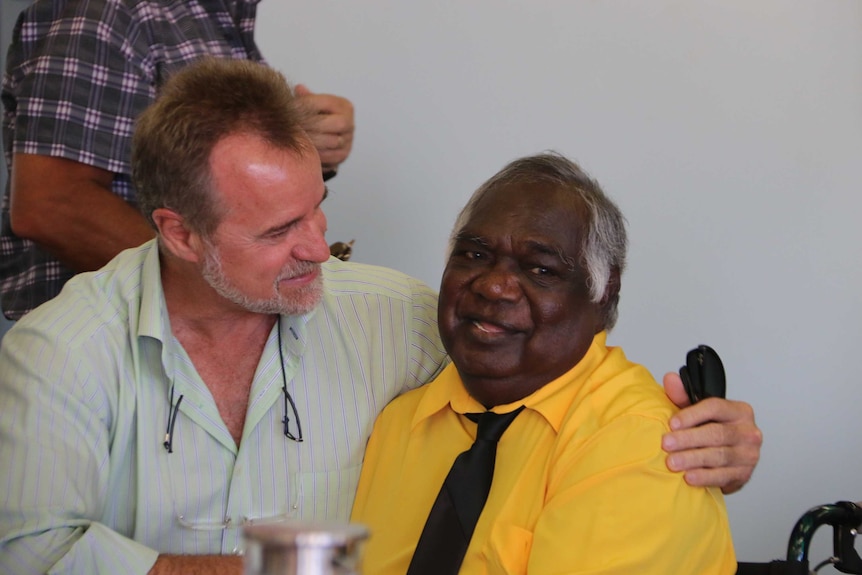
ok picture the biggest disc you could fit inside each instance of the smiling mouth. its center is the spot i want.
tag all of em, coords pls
(302, 276)
(490, 328)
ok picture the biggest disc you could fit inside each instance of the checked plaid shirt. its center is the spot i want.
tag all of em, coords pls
(78, 74)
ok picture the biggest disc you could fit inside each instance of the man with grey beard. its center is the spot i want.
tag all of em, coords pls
(78, 75)
(226, 373)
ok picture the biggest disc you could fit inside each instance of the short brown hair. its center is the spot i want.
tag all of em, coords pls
(199, 106)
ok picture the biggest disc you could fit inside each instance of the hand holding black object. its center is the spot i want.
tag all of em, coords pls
(703, 374)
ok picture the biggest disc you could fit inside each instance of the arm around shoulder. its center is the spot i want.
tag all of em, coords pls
(613, 507)
(715, 442)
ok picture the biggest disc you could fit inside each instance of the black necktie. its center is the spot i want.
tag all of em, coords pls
(453, 517)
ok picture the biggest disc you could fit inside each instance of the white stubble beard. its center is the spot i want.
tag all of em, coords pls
(305, 298)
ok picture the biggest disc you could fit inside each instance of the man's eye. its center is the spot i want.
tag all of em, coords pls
(468, 254)
(541, 271)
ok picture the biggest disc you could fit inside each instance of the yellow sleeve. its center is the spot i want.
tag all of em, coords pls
(369, 464)
(613, 507)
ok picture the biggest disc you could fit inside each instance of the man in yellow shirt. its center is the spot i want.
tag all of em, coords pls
(580, 485)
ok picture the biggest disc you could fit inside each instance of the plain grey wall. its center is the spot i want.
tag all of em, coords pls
(730, 133)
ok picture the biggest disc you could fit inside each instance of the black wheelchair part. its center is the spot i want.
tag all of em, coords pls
(845, 518)
(703, 376)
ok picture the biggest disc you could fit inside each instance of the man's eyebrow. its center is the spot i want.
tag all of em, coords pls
(554, 251)
(278, 228)
(543, 248)
(464, 236)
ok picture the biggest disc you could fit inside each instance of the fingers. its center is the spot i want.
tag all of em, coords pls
(712, 409)
(332, 148)
(329, 124)
(340, 109)
(674, 389)
(301, 90)
(326, 141)
(712, 467)
(716, 454)
(716, 447)
(729, 479)
(710, 435)
(743, 436)
(714, 442)
(329, 104)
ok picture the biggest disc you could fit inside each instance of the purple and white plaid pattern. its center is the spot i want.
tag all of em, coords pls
(78, 74)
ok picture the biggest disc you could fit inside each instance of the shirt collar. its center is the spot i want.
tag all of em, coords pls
(552, 400)
(153, 318)
(154, 321)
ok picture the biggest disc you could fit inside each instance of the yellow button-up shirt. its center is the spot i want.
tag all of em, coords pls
(580, 485)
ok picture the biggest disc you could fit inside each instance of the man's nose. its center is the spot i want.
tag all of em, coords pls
(313, 247)
(498, 283)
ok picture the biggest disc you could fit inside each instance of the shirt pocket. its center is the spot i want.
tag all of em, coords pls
(327, 495)
(507, 549)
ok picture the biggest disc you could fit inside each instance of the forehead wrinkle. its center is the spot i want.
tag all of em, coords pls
(543, 248)
(466, 236)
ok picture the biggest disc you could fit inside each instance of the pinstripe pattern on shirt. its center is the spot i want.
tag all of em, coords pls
(85, 380)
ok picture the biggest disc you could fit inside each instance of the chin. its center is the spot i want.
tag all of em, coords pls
(489, 394)
(483, 363)
(493, 375)
(303, 300)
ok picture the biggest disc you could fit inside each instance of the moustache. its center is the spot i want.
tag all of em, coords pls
(298, 270)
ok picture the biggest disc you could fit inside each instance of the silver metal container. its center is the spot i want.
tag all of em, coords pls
(303, 548)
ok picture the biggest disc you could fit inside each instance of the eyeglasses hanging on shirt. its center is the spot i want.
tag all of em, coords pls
(174, 409)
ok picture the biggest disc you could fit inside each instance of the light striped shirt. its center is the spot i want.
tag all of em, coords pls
(86, 484)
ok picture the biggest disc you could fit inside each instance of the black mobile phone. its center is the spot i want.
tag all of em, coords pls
(703, 374)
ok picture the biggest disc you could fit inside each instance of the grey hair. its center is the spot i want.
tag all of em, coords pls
(605, 243)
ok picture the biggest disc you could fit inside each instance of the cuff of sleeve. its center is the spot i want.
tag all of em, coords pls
(101, 550)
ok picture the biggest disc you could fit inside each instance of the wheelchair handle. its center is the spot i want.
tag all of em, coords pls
(845, 517)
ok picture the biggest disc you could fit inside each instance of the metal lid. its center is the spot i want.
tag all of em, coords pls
(306, 533)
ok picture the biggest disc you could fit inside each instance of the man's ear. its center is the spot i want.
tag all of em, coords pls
(611, 297)
(175, 237)
(612, 290)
